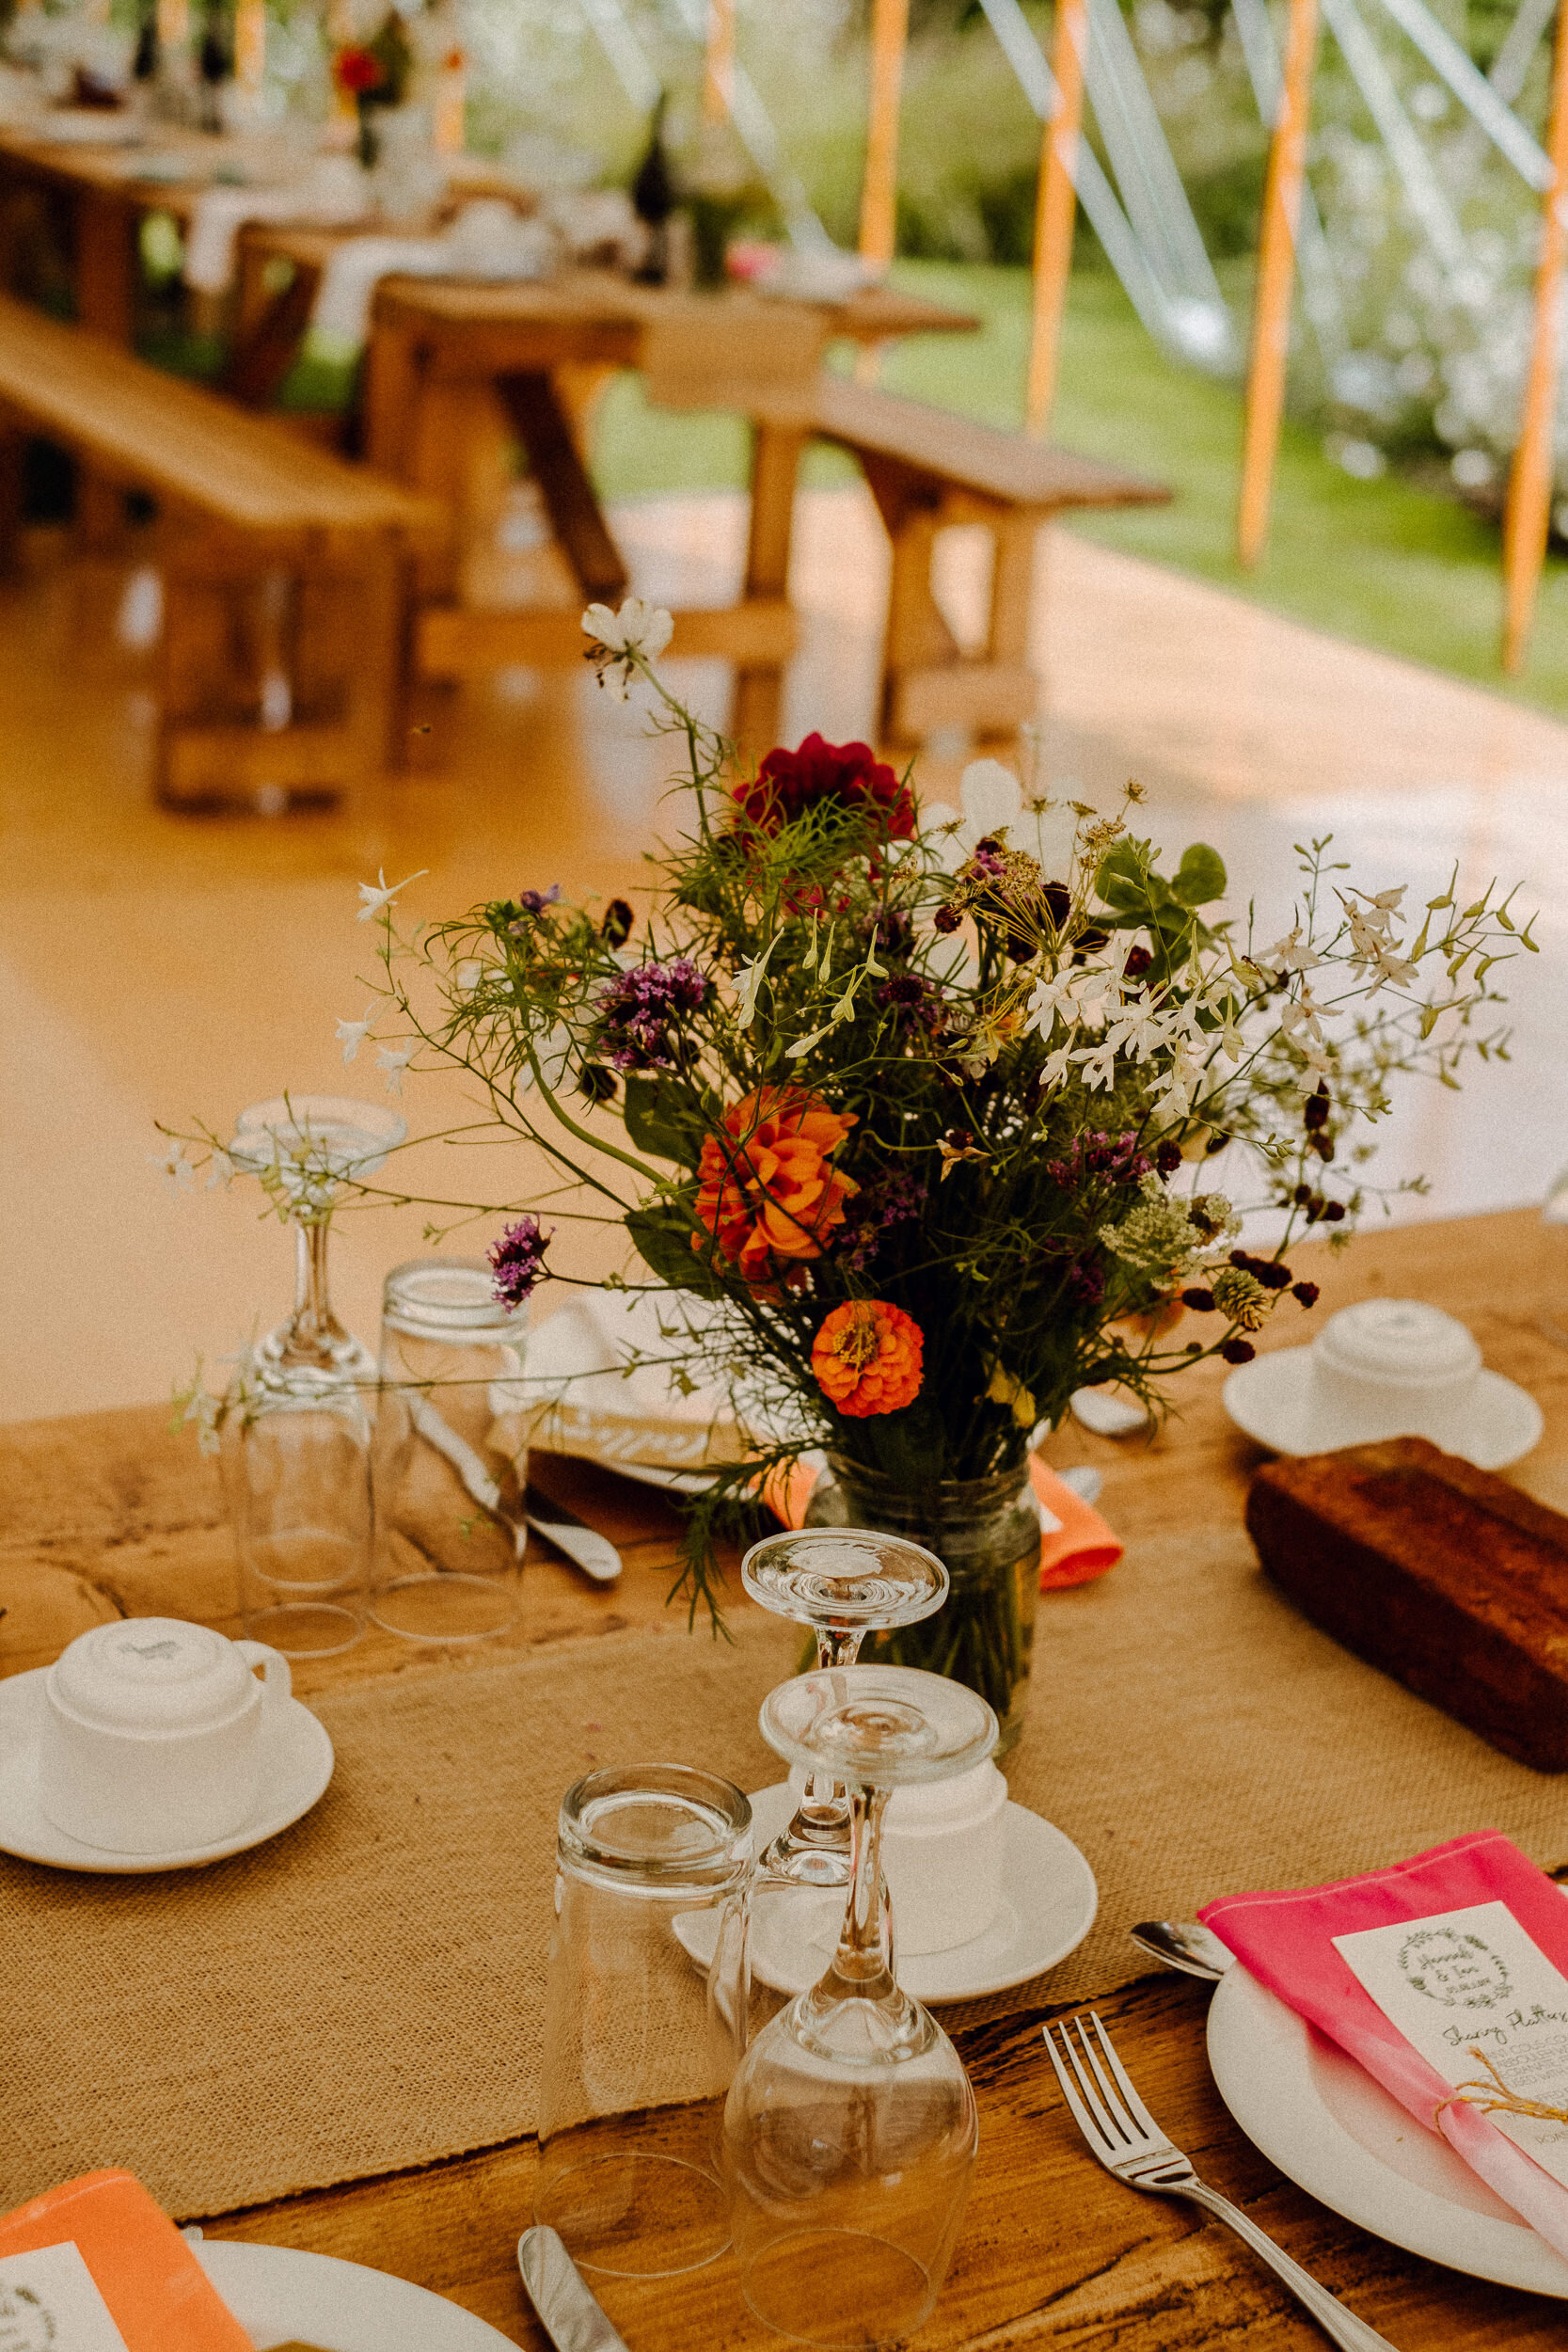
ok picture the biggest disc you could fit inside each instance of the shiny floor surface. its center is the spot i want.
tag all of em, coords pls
(158, 966)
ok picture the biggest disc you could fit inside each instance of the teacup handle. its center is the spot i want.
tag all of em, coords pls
(277, 1681)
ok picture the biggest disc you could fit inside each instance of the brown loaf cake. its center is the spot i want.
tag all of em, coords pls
(1452, 1582)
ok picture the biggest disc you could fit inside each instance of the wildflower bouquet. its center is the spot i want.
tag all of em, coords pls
(910, 1118)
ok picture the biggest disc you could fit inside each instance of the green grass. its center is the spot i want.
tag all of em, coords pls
(1383, 562)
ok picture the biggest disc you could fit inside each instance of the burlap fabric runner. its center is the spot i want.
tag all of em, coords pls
(365, 1994)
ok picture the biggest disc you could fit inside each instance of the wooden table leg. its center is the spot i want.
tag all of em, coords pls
(266, 344)
(775, 464)
(545, 430)
(106, 260)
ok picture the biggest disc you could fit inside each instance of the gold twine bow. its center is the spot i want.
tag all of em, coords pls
(1494, 2098)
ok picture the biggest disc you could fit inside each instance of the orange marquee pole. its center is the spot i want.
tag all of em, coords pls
(890, 32)
(1529, 481)
(719, 63)
(1277, 270)
(1055, 213)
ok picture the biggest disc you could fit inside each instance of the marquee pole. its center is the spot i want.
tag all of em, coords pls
(1276, 266)
(1529, 481)
(1055, 213)
(718, 61)
(890, 32)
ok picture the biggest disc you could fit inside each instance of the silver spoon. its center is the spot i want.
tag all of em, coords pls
(1183, 1944)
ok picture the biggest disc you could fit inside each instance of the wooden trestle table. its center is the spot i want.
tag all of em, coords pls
(112, 1512)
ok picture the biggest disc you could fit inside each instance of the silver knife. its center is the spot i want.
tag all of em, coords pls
(586, 1548)
(571, 2318)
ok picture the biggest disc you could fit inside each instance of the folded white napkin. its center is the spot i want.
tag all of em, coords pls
(483, 247)
(335, 190)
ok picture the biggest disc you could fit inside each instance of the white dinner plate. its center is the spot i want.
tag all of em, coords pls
(1048, 1907)
(1268, 1399)
(296, 1771)
(1329, 2127)
(280, 2295)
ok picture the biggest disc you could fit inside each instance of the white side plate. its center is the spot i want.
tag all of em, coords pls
(1329, 2127)
(1049, 1902)
(282, 2297)
(298, 1770)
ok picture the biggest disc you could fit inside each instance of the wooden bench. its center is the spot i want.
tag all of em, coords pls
(284, 567)
(927, 469)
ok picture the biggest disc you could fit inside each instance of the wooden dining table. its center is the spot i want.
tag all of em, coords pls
(117, 1513)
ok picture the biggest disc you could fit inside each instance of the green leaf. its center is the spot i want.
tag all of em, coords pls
(1200, 877)
(661, 1236)
(662, 1120)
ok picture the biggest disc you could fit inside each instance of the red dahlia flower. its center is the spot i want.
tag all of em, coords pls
(789, 782)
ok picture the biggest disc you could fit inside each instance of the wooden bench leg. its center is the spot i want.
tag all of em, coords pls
(775, 465)
(13, 485)
(279, 689)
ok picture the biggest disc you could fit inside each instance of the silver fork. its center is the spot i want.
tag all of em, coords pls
(1124, 2136)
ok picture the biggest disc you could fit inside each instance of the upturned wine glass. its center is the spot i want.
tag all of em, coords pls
(298, 1440)
(844, 1583)
(850, 2130)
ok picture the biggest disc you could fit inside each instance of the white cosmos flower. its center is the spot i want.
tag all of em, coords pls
(992, 801)
(394, 1061)
(638, 627)
(174, 1166)
(352, 1034)
(221, 1170)
(374, 896)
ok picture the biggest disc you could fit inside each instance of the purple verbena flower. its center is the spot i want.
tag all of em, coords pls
(517, 1260)
(533, 903)
(1112, 1159)
(892, 1201)
(635, 1012)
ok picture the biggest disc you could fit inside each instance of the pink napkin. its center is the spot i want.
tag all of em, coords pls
(1285, 1941)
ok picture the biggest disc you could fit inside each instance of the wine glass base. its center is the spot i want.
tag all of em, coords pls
(807, 1865)
(636, 2214)
(838, 2288)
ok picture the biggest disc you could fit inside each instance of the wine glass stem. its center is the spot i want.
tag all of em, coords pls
(835, 1646)
(866, 1942)
(314, 1324)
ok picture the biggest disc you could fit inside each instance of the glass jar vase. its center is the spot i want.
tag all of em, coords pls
(987, 1534)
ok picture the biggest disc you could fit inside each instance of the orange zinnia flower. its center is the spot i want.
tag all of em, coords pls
(768, 1192)
(867, 1358)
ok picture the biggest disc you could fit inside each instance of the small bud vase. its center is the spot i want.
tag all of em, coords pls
(987, 1534)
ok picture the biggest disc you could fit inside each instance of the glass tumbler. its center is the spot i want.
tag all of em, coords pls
(450, 1461)
(638, 2050)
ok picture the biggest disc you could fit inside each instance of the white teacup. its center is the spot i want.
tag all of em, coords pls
(154, 1734)
(1391, 1368)
(941, 1857)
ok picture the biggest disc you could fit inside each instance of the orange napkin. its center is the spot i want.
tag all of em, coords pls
(1078, 1549)
(1082, 1546)
(154, 2290)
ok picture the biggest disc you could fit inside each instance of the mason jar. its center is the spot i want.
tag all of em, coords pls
(449, 1467)
(987, 1534)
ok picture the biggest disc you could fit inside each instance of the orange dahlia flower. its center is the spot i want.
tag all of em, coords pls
(767, 1193)
(867, 1358)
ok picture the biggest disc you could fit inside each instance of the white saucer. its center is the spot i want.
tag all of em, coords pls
(298, 1770)
(1268, 1399)
(1329, 2127)
(282, 2297)
(1048, 1907)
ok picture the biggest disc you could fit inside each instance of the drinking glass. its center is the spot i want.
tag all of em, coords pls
(629, 2025)
(298, 1440)
(849, 2132)
(449, 1465)
(845, 1582)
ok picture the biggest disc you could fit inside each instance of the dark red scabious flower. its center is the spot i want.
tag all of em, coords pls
(517, 1260)
(637, 1010)
(915, 1003)
(1269, 1271)
(789, 782)
(1201, 1301)
(1306, 1292)
(1167, 1156)
(1238, 1351)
